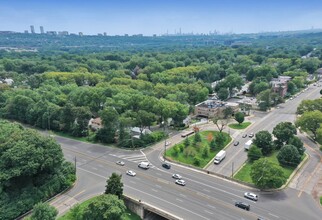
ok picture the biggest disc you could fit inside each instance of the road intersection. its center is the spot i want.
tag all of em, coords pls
(205, 196)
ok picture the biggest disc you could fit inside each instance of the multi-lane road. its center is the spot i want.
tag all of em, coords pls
(205, 196)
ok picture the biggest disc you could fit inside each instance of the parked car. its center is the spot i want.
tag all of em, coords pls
(166, 165)
(180, 182)
(130, 173)
(236, 143)
(251, 135)
(121, 163)
(244, 135)
(242, 205)
(176, 176)
(251, 196)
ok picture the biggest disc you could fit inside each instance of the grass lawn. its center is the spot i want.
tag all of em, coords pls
(244, 173)
(240, 126)
(188, 154)
(128, 215)
(321, 200)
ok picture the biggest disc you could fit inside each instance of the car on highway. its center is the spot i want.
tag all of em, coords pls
(236, 143)
(166, 165)
(180, 182)
(251, 196)
(242, 205)
(176, 176)
(130, 173)
(121, 163)
(251, 135)
(244, 135)
(167, 143)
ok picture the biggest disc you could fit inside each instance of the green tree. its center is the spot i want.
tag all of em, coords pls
(291, 87)
(289, 156)
(205, 151)
(212, 144)
(264, 141)
(267, 175)
(264, 100)
(284, 131)
(310, 121)
(259, 87)
(43, 211)
(114, 185)
(254, 153)
(228, 112)
(105, 207)
(309, 105)
(197, 137)
(321, 92)
(110, 119)
(223, 93)
(239, 117)
(186, 142)
(296, 142)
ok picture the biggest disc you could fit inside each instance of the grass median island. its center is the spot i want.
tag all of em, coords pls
(244, 173)
(240, 126)
(127, 215)
(199, 152)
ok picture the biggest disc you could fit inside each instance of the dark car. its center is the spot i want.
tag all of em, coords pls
(236, 143)
(242, 205)
(244, 135)
(166, 165)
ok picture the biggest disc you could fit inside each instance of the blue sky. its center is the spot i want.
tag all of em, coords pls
(159, 16)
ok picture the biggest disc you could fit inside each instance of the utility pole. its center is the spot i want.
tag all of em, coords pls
(232, 170)
(75, 160)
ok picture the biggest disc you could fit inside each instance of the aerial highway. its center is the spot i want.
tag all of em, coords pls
(204, 196)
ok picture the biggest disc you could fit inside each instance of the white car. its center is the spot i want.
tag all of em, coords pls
(121, 163)
(251, 196)
(130, 173)
(181, 182)
(176, 176)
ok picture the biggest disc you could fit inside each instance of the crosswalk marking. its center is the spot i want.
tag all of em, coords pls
(136, 158)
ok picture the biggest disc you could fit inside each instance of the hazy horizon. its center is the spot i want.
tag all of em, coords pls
(118, 17)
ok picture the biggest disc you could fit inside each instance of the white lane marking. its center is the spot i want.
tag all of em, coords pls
(166, 201)
(211, 206)
(154, 190)
(158, 186)
(88, 151)
(182, 195)
(132, 182)
(273, 215)
(94, 168)
(179, 200)
(206, 190)
(209, 212)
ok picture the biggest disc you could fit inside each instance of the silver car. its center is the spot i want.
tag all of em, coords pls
(130, 173)
(181, 182)
(251, 196)
(176, 176)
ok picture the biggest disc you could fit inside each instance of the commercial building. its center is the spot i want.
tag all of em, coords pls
(42, 30)
(32, 29)
(211, 108)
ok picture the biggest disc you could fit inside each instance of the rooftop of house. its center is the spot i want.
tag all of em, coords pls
(215, 104)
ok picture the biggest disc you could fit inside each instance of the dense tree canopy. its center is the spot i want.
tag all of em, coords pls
(32, 169)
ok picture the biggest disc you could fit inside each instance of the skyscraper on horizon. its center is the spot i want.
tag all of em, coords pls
(42, 30)
(32, 29)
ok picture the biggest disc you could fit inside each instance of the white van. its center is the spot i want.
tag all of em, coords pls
(144, 165)
(220, 156)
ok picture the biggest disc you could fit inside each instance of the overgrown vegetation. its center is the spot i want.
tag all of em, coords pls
(32, 169)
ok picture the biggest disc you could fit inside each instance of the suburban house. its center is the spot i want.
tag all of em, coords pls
(136, 132)
(279, 85)
(95, 123)
(211, 108)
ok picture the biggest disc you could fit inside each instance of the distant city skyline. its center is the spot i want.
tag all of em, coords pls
(148, 17)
